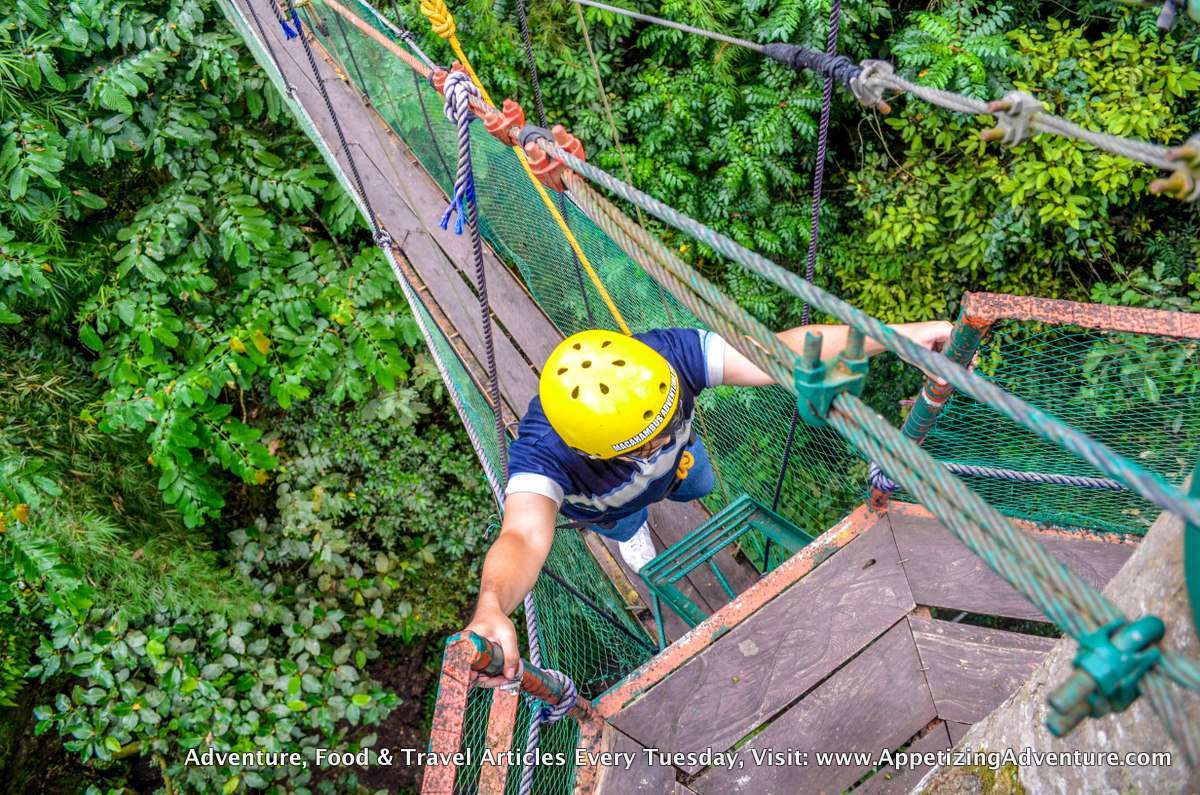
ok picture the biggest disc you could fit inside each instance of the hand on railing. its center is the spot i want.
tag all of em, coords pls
(489, 663)
(490, 624)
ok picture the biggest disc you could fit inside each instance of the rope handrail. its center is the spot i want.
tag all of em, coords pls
(1145, 483)
(1068, 600)
(1017, 114)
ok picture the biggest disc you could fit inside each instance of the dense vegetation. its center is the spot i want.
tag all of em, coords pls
(917, 208)
(232, 494)
(232, 487)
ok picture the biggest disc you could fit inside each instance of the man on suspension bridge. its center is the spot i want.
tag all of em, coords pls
(609, 434)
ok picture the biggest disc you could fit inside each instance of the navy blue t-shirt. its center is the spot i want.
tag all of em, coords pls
(586, 489)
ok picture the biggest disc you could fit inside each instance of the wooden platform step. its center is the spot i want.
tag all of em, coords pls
(847, 659)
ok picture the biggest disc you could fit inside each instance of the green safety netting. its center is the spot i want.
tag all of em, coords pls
(1135, 392)
(744, 430)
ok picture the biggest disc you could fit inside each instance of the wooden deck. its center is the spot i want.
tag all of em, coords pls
(439, 265)
(846, 659)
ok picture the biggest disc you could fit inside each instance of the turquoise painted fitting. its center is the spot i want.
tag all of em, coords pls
(817, 384)
(1109, 666)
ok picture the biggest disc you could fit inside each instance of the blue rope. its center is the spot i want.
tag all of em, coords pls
(288, 31)
(459, 93)
(882, 482)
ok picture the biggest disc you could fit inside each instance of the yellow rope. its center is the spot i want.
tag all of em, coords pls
(442, 22)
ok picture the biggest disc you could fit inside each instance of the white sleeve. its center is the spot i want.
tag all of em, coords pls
(713, 345)
(533, 483)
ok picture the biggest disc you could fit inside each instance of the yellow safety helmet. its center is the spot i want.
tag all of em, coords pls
(606, 393)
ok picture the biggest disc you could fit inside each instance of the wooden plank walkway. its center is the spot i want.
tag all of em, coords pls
(783, 650)
(847, 659)
(634, 775)
(972, 669)
(889, 780)
(878, 700)
(944, 573)
(408, 202)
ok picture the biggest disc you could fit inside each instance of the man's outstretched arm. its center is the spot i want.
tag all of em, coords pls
(510, 570)
(740, 371)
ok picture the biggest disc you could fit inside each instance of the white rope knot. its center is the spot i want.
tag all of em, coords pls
(868, 86)
(1014, 117)
(459, 90)
(879, 479)
(552, 713)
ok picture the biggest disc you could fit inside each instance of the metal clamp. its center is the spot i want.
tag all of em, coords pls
(1184, 183)
(499, 123)
(818, 384)
(549, 170)
(1014, 115)
(1109, 666)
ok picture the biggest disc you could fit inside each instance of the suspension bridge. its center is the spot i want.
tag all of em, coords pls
(849, 585)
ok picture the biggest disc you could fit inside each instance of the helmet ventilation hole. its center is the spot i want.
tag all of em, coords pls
(662, 387)
(647, 414)
(575, 393)
(606, 343)
(562, 370)
(604, 389)
(619, 363)
(577, 346)
(587, 363)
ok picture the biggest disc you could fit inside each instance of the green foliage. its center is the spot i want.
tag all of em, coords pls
(960, 47)
(214, 280)
(386, 508)
(185, 681)
(16, 646)
(949, 213)
(379, 525)
(165, 227)
(83, 519)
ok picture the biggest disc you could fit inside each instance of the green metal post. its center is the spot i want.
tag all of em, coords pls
(964, 342)
(1191, 555)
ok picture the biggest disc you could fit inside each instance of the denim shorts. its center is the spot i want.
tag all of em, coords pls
(699, 482)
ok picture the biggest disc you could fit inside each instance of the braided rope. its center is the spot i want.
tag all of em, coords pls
(882, 482)
(869, 79)
(814, 238)
(459, 91)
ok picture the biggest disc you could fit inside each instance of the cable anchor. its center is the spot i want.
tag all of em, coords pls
(1184, 182)
(1109, 665)
(548, 169)
(1014, 115)
(818, 384)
